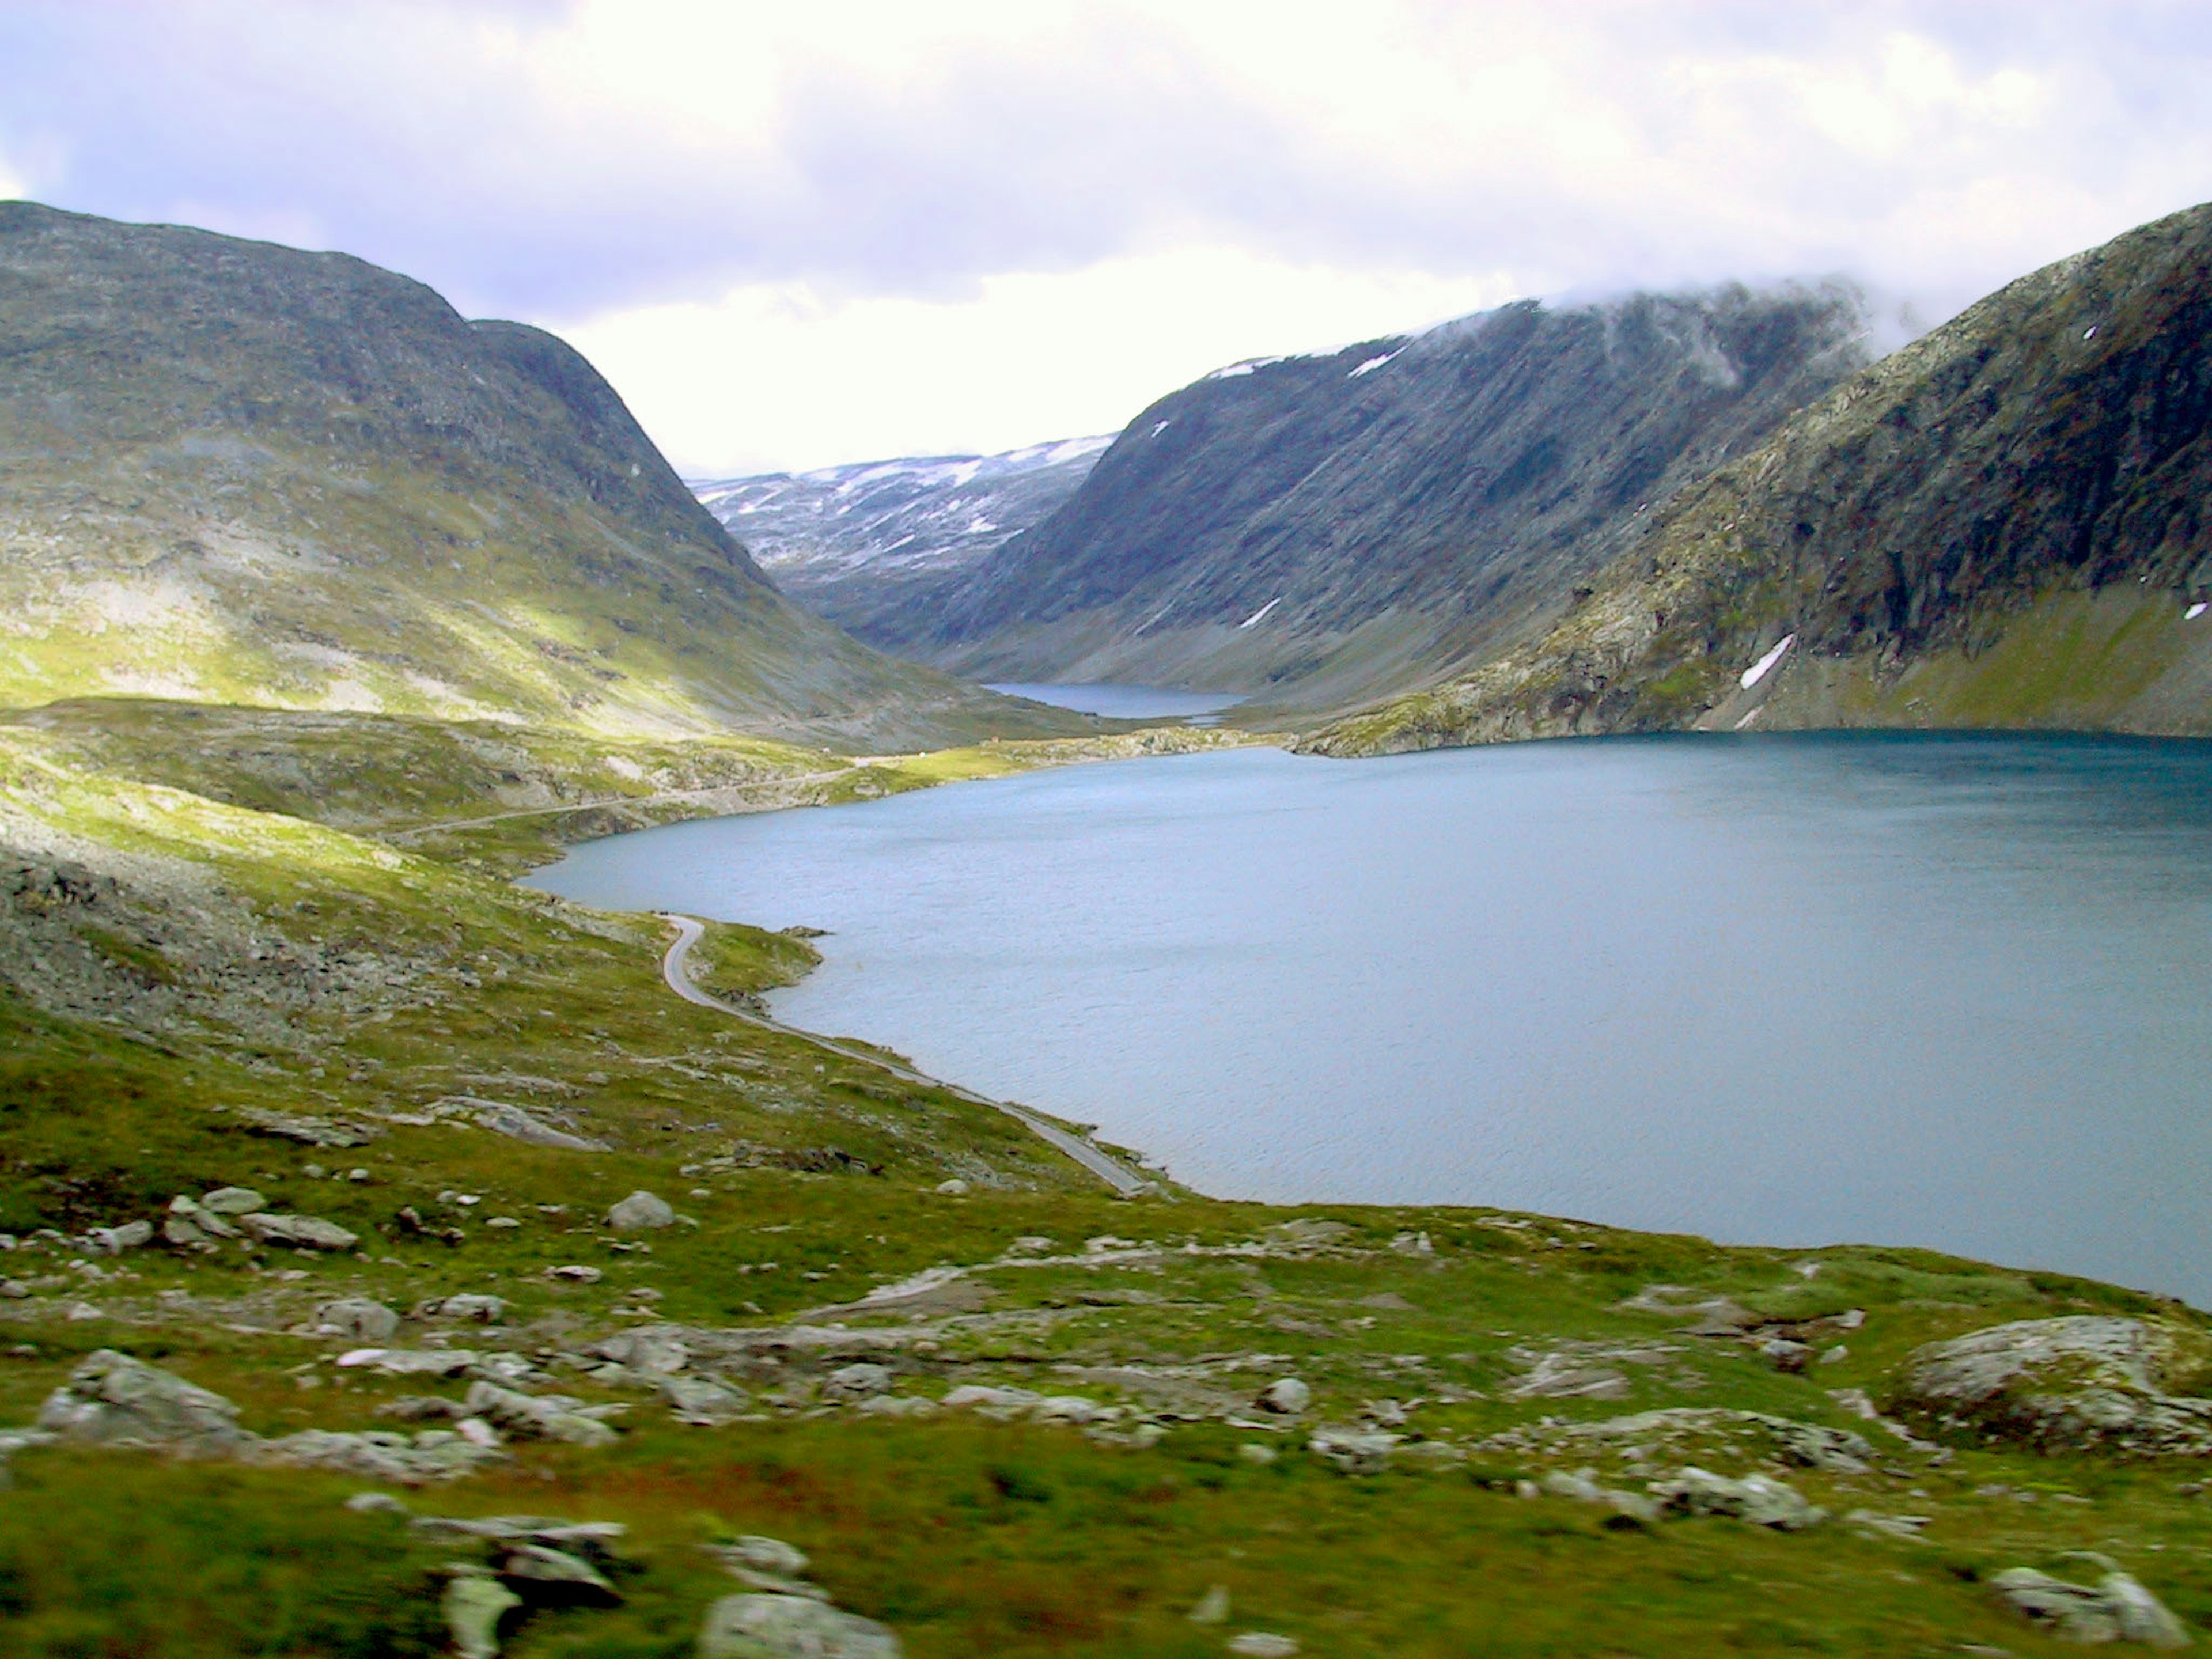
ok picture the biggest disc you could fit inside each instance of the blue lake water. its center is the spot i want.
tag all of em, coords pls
(1127, 702)
(1944, 991)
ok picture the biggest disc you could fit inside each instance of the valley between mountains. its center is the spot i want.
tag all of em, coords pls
(393, 1262)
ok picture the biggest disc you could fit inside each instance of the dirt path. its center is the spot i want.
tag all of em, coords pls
(688, 931)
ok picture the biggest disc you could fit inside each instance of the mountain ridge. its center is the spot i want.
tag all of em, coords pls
(1310, 528)
(237, 473)
(2002, 524)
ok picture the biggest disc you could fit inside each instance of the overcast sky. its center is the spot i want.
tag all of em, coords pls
(812, 232)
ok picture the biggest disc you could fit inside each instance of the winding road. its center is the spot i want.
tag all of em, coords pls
(689, 929)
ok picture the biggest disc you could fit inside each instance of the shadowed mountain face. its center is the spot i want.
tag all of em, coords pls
(1314, 528)
(236, 473)
(2007, 523)
(874, 545)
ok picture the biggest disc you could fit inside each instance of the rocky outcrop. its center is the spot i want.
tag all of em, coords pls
(770, 1626)
(2118, 1608)
(2083, 1383)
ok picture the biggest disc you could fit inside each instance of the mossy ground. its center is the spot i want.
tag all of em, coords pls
(968, 1536)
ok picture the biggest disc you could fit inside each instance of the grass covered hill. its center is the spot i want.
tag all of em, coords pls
(328, 1313)
(2004, 524)
(235, 473)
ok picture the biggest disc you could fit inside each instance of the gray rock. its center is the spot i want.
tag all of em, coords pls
(375, 1502)
(856, 1381)
(412, 1362)
(1262, 1645)
(576, 1273)
(695, 1400)
(644, 1351)
(790, 1627)
(519, 1125)
(232, 1200)
(542, 1569)
(185, 1213)
(2085, 1381)
(2119, 1609)
(1562, 1376)
(306, 1130)
(131, 1235)
(550, 1417)
(1286, 1396)
(358, 1317)
(298, 1232)
(473, 1605)
(1351, 1450)
(1583, 1486)
(375, 1455)
(763, 1554)
(475, 1306)
(1756, 1499)
(640, 1212)
(115, 1400)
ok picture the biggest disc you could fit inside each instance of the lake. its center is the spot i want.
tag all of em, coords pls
(1946, 991)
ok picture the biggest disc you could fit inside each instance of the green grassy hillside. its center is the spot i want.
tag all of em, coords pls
(232, 473)
(198, 993)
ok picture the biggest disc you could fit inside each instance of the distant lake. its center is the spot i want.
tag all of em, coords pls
(1945, 991)
(1125, 703)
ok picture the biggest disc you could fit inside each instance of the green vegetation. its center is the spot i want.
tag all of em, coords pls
(206, 968)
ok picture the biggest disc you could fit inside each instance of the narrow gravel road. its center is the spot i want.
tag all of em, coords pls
(688, 931)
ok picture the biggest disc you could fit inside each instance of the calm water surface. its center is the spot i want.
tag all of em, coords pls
(1939, 991)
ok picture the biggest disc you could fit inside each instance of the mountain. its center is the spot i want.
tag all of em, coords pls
(1318, 528)
(2006, 524)
(872, 544)
(236, 473)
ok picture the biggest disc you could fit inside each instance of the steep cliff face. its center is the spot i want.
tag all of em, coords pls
(2007, 523)
(875, 546)
(238, 472)
(1307, 527)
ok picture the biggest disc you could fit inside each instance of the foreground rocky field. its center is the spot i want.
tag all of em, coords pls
(393, 1265)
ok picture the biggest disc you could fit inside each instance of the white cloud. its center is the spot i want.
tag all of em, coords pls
(819, 232)
(776, 376)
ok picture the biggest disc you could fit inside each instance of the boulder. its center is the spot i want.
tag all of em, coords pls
(548, 1417)
(1353, 1451)
(640, 1212)
(2118, 1608)
(186, 1223)
(769, 1626)
(114, 1241)
(575, 1272)
(116, 1399)
(1757, 1500)
(474, 1604)
(358, 1317)
(543, 1573)
(411, 1361)
(232, 1200)
(297, 1232)
(856, 1381)
(476, 1306)
(517, 1124)
(1262, 1645)
(695, 1400)
(1286, 1396)
(644, 1351)
(2079, 1382)
(432, 1454)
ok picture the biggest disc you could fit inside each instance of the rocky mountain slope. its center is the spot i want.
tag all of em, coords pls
(2005, 524)
(236, 473)
(873, 544)
(1313, 528)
